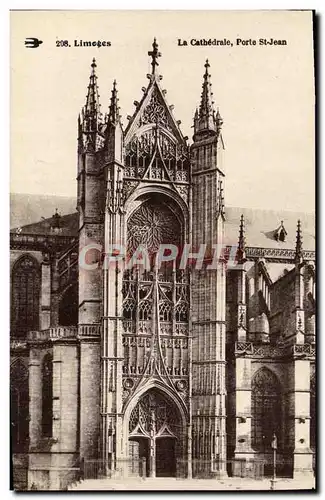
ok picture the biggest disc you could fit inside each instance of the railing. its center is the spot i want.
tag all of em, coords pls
(88, 330)
(18, 240)
(54, 333)
(271, 351)
(214, 468)
(63, 332)
(304, 349)
(120, 468)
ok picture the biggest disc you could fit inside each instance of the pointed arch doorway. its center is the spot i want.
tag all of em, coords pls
(156, 434)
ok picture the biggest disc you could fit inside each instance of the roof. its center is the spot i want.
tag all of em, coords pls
(28, 209)
(34, 214)
(65, 225)
(261, 225)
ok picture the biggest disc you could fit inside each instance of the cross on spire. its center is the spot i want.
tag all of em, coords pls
(154, 55)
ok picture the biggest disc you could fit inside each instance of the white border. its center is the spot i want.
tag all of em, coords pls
(318, 5)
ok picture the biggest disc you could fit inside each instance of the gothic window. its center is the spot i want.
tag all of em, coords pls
(19, 406)
(181, 312)
(312, 413)
(129, 308)
(25, 296)
(145, 309)
(154, 223)
(165, 311)
(151, 225)
(266, 409)
(47, 395)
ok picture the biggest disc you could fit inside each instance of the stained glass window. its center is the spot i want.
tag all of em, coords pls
(25, 296)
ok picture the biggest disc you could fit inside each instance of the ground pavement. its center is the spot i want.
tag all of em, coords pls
(172, 484)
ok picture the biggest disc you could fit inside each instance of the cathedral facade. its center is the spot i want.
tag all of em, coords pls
(121, 353)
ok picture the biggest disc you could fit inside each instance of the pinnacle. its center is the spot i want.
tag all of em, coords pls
(113, 108)
(92, 99)
(298, 241)
(241, 241)
(206, 120)
(242, 230)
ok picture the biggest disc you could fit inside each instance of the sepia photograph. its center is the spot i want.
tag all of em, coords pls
(162, 250)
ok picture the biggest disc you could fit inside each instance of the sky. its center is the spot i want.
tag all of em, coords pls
(265, 94)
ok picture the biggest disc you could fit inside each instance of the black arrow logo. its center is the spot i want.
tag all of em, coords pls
(32, 43)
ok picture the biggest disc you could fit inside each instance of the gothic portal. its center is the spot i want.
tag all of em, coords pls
(146, 346)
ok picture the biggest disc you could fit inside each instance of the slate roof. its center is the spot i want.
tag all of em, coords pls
(260, 224)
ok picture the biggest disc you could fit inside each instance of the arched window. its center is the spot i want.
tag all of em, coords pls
(266, 409)
(165, 311)
(47, 395)
(19, 406)
(25, 296)
(312, 413)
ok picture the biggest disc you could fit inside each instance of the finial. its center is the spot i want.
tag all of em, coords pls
(241, 242)
(219, 121)
(113, 114)
(154, 55)
(298, 254)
